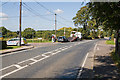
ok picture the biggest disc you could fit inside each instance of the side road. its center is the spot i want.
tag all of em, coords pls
(99, 63)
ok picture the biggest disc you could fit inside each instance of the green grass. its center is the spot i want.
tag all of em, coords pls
(116, 59)
(37, 41)
(110, 42)
(11, 47)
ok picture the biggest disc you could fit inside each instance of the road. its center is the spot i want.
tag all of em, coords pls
(61, 60)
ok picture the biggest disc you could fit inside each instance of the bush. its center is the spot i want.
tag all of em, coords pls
(4, 45)
(116, 59)
(102, 36)
(88, 38)
(96, 37)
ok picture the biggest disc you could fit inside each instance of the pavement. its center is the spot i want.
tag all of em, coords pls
(104, 66)
(99, 63)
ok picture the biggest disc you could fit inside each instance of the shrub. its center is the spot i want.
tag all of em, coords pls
(96, 37)
(116, 59)
(88, 38)
(4, 45)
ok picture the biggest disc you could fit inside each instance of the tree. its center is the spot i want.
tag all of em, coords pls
(29, 33)
(107, 14)
(4, 30)
(84, 17)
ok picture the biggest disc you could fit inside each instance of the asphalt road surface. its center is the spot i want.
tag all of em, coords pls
(62, 60)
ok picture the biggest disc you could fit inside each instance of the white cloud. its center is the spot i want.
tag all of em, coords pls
(58, 11)
(48, 12)
(3, 16)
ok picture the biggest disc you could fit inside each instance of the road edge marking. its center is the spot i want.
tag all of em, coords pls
(80, 71)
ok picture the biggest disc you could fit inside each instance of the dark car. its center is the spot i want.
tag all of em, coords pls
(62, 39)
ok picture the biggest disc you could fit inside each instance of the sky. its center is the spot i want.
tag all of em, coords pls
(37, 17)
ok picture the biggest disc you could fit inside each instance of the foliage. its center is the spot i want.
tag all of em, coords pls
(29, 33)
(108, 15)
(90, 27)
(11, 35)
(4, 45)
(116, 59)
(37, 41)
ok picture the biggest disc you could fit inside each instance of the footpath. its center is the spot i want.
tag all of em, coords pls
(99, 63)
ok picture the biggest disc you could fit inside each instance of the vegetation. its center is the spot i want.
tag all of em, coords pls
(32, 35)
(97, 17)
(4, 45)
(37, 41)
(29, 33)
(11, 47)
(107, 14)
(110, 42)
(116, 59)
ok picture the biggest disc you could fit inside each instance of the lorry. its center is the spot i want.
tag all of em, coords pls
(74, 36)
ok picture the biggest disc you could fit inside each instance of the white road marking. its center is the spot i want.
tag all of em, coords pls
(6, 67)
(79, 74)
(18, 66)
(98, 48)
(35, 61)
(12, 72)
(95, 48)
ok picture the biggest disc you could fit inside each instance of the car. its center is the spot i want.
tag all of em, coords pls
(62, 39)
(15, 41)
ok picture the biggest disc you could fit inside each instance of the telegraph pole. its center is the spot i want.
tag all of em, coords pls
(55, 24)
(20, 20)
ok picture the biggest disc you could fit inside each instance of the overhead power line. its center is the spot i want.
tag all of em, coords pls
(34, 12)
(3, 4)
(52, 12)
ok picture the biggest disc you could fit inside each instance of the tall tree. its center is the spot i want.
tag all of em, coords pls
(29, 33)
(107, 14)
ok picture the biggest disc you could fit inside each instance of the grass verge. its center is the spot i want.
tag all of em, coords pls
(116, 59)
(37, 41)
(110, 42)
(11, 47)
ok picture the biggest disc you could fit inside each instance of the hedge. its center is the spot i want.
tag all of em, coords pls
(3, 45)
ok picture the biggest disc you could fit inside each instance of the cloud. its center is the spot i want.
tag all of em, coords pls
(3, 16)
(48, 12)
(58, 11)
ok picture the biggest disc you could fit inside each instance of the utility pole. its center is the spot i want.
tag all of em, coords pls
(20, 20)
(55, 24)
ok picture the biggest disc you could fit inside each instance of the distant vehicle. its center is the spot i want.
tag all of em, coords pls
(1, 37)
(15, 41)
(62, 39)
(76, 34)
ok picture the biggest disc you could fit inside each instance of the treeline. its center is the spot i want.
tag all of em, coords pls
(30, 33)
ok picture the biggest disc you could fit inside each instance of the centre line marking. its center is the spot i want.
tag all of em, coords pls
(18, 66)
(45, 56)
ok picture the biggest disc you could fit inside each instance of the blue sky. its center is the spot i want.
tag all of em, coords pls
(45, 20)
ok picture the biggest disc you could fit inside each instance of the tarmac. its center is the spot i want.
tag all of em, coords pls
(99, 64)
